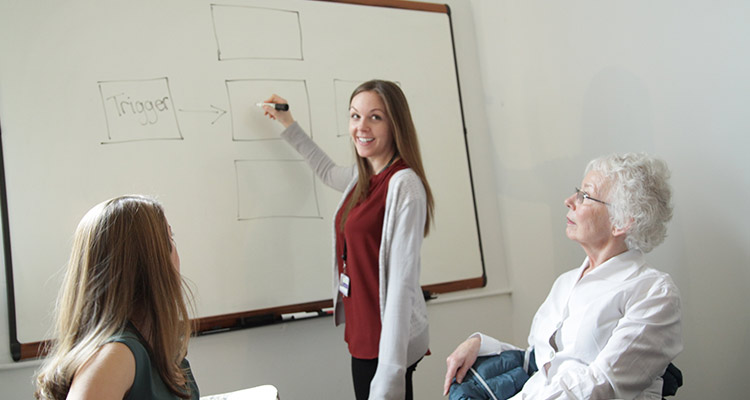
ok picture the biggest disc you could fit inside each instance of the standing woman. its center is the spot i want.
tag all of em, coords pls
(122, 324)
(385, 212)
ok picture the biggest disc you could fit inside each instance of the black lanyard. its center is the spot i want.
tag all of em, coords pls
(395, 154)
(343, 255)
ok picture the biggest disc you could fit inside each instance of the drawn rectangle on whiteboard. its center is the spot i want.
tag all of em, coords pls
(248, 121)
(242, 33)
(139, 110)
(263, 189)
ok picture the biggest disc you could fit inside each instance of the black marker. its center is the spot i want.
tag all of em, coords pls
(277, 106)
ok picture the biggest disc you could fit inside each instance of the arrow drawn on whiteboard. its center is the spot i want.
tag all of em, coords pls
(216, 110)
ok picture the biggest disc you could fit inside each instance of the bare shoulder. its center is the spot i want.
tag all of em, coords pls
(108, 374)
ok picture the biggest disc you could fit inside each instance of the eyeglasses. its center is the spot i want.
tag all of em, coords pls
(581, 195)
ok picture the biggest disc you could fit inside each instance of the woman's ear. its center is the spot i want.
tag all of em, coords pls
(619, 231)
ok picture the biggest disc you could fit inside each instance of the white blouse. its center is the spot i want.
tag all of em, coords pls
(610, 334)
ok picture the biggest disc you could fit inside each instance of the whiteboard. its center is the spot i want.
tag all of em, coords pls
(104, 98)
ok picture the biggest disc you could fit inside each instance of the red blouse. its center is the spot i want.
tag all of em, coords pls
(361, 241)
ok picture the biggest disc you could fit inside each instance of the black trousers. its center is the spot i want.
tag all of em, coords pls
(364, 370)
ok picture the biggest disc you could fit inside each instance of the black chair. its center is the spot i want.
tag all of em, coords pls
(672, 380)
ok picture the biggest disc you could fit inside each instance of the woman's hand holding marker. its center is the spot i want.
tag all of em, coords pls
(277, 108)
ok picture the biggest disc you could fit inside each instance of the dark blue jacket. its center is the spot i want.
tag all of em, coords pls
(497, 377)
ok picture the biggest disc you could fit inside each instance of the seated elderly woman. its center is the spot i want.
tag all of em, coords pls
(609, 328)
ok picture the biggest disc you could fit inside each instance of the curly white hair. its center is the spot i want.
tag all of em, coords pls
(639, 196)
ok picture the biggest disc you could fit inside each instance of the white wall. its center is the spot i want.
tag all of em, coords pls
(546, 87)
(567, 81)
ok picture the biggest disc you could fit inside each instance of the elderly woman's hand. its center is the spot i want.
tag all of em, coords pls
(460, 361)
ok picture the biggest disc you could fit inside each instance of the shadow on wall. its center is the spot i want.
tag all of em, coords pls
(616, 117)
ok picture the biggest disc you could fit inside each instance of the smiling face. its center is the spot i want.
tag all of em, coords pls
(588, 222)
(371, 129)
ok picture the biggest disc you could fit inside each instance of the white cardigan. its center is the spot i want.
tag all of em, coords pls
(404, 336)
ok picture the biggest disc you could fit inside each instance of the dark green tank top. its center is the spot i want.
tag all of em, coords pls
(148, 383)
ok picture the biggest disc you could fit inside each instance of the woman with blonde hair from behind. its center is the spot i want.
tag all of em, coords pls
(122, 324)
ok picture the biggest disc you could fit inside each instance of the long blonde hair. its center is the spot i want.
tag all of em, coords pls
(405, 139)
(119, 270)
